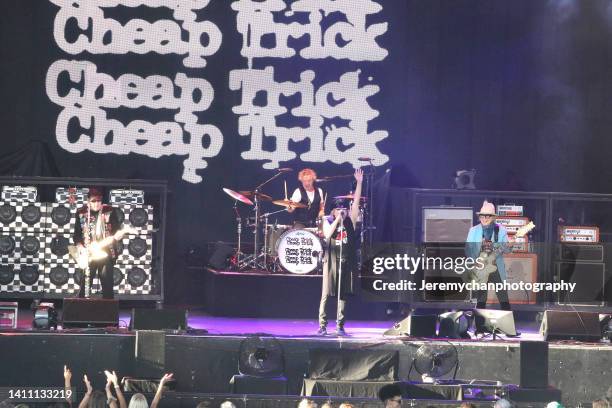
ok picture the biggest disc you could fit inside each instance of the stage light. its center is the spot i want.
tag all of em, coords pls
(45, 317)
(464, 179)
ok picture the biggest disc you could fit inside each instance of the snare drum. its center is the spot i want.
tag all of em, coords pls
(299, 251)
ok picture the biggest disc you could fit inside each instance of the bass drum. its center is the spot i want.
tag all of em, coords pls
(299, 251)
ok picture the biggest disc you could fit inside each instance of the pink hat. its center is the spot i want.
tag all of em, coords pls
(487, 209)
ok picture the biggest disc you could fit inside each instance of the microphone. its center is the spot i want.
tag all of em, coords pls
(364, 158)
(284, 170)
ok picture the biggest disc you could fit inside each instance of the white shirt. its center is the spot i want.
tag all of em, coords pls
(296, 197)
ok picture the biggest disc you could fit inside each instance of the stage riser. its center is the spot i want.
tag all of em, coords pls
(206, 364)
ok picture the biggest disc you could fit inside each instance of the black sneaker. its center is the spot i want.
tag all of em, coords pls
(340, 331)
(322, 331)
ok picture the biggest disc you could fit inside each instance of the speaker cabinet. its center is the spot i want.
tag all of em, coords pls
(21, 278)
(434, 272)
(520, 267)
(580, 253)
(415, 325)
(589, 278)
(20, 215)
(137, 216)
(446, 224)
(534, 364)
(158, 319)
(150, 353)
(566, 325)
(90, 312)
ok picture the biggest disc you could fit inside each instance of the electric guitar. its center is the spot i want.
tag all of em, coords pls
(488, 259)
(95, 250)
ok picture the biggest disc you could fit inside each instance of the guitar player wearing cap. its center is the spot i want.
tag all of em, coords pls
(488, 237)
(95, 223)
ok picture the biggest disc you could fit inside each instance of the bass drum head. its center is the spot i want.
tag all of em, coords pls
(299, 251)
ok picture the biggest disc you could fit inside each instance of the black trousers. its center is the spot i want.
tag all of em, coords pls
(104, 270)
(481, 298)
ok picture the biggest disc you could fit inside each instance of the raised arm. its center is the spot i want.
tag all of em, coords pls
(357, 198)
(160, 390)
(110, 399)
(85, 401)
(67, 386)
(112, 377)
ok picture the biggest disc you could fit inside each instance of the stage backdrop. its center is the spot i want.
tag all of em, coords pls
(218, 93)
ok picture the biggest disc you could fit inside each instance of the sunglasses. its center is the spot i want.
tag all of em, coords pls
(486, 216)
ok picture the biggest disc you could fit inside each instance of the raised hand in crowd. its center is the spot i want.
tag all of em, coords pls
(67, 385)
(160, 389)
(112, 377)
(85, 401)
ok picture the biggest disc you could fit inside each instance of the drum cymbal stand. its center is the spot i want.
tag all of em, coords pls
(257, 255)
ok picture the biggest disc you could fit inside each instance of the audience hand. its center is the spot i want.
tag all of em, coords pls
(87, 384)
(112, 376)
(67, 374)
(165, 379)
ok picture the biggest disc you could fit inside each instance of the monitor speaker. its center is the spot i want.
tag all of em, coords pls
(415, 325)
(90, 312)
(570, 325)
(158, 319)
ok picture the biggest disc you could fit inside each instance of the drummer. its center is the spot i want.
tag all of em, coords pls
(309, 195)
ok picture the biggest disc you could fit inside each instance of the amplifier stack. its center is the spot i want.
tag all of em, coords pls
(34, 240)
(521, 264)
(579, 259)
(444, 232)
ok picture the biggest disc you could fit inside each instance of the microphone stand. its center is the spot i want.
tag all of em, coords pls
(340, 273)
(370, 189)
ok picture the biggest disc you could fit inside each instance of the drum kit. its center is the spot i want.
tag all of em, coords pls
(286, 248)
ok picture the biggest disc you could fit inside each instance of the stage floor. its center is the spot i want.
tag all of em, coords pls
(293, 328)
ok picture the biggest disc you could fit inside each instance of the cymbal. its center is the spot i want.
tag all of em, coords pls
(237, 196)
(348, 197)
(288, 203)
(260, 196)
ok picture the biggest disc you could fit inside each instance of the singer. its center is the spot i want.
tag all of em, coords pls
(340, 261)
(309, 195)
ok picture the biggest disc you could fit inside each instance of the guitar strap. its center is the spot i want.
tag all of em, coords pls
(496, 233)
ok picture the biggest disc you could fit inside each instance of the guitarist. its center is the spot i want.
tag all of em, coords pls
(487, 236)
(94, 222)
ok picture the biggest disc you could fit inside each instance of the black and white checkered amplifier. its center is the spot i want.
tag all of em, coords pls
(136, 216)
(22, 247)
(19, 193)
(61, 278)
(21, 278)
(128, 280)
(19, 215)
(72, 196)
(61, 218)
(120, 196)
(56, 248)
(135, 250)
